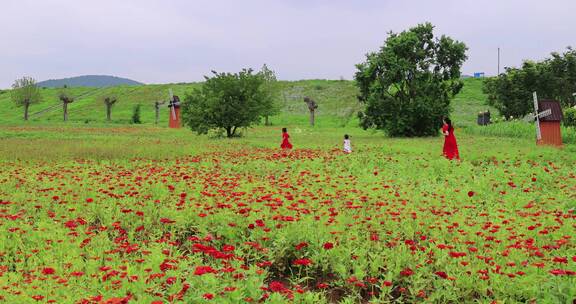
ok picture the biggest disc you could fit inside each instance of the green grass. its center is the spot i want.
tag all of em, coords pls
(70, 197)
(338, 105)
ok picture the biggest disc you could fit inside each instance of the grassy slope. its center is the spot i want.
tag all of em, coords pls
(337, 103)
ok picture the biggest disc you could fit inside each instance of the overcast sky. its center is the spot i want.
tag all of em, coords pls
(160, 41)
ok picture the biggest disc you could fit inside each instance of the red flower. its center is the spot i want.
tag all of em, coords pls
(407, 272)
(441, 274)
(560, 260)
(559, 272)
(471, 193)
(301, 245)
(208, 296)
(328, 245)
(38, 297)
(276, 286)
(48, 271)
(303, 262)
(89, 200)
(171, 280)
(201, 270)
(387, 283)
(166, 221)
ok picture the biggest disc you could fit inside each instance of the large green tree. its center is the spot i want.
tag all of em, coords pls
(552, 78)
(408, 84)
(271, 89)
(226, 101)
(24, 93)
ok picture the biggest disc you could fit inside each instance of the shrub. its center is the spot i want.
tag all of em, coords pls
(570, 117)
(136, 114)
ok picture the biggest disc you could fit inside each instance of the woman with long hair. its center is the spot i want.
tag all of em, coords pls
(450, 150)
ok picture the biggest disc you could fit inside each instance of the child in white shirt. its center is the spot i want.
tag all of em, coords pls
(347, 144)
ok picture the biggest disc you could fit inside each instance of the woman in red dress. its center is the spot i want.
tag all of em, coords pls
(285, 142)
(450, 145)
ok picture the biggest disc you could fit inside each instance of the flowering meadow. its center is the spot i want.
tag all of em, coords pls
(149, 215)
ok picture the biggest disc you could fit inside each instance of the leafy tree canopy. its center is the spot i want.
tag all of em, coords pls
(552, 78)
(226, 101)
(407, 86)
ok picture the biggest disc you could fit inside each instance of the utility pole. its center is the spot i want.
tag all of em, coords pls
(498, 61)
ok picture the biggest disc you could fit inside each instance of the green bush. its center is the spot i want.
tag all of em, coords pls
(570, 117)
(227, 101)
(136, 114)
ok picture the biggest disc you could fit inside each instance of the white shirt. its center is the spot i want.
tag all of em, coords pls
(347, 146)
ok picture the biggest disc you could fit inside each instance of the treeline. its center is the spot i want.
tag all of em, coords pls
(553, 78)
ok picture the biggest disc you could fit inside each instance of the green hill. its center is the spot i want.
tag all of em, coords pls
(337, 101)
(96, 81)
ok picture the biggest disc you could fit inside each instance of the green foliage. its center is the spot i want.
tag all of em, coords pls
(226, 101)
(407, 86)
(271, 89)
(224, 187)
(553, 78)
(570, 117)
(136, 114)
(24, 93)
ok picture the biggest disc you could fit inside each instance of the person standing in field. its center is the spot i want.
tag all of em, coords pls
(347, 144)
(285, 140)
(450, 150)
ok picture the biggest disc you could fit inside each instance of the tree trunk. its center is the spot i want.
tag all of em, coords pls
(228, 132)
(108, 112)
(26, 106)
(157, 107)
(65, 108)
(312, 118)
(266, 121)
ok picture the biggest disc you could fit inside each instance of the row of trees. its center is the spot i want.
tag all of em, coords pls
(406, 86)
(553, 78)
(25, 93)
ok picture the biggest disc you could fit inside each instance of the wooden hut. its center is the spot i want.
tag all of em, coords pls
(550, 125)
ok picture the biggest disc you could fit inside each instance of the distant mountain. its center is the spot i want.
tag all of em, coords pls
(97, 81)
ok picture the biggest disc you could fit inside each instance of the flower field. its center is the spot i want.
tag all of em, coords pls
(149, 216)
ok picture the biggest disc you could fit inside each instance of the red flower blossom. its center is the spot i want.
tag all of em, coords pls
(201, 270)
(208, 296)
(406, 272)
(48, 271)
(328, 245)
(441, 274)
(276, 286)
(302, 262)
(301, 245)
(37, 297)
(166, 221)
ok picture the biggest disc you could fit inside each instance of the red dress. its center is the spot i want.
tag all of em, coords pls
(450, 145)
(285, 142)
